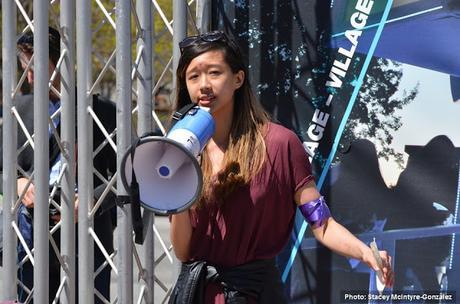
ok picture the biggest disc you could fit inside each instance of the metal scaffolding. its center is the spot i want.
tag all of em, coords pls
(138, 78)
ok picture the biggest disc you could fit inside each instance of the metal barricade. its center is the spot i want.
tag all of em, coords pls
(136, 24)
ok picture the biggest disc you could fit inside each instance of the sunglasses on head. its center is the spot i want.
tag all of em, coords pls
(206, 37)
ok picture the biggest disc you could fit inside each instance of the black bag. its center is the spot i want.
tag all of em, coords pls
(189, 288)
(258, 279)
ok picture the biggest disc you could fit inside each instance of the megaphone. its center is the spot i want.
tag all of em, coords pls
(166, 168)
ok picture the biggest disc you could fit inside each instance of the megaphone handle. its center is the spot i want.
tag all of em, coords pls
(182, 111)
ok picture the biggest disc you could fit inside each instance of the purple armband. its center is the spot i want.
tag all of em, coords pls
(315, 212)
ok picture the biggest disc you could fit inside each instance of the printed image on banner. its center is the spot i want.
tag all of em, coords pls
(374, 95)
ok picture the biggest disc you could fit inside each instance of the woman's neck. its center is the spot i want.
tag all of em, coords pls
(223, 122)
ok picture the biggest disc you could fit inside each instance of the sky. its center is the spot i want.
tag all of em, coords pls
(432, 113)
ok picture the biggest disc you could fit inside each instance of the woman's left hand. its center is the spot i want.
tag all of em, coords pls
(387, 271)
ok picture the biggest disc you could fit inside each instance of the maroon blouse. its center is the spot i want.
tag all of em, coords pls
(255, 221)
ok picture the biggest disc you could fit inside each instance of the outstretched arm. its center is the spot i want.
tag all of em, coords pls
(337, 238)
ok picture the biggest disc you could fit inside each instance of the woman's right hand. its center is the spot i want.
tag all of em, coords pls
(29, 196)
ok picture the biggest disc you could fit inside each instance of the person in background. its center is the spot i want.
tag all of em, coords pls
(104, 162)
(163, 105)
(256, 175)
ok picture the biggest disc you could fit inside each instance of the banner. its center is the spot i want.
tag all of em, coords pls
(372, 88)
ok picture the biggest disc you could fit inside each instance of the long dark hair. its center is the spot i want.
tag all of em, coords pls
(246, 150)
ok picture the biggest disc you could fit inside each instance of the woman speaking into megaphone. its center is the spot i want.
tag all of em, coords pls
(256, 174)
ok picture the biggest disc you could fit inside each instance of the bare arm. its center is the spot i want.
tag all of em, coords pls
(340, 240)
(181, 234)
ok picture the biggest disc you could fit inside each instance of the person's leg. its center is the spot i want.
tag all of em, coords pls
(26, 277)
(102, 284)
(104, 230)
(54, 275)
(26, 270)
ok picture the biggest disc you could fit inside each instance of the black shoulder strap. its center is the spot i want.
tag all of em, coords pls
(136, 215)
(134, 199)
(182, 112)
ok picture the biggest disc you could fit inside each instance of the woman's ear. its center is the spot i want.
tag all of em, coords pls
(239, 79)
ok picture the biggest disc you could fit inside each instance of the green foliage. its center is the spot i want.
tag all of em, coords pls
(375, 114)
(163, 46)
(104, 42)
(104, 38)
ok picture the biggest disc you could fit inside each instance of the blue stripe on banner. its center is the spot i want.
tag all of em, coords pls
(396, 19)
(351, 103)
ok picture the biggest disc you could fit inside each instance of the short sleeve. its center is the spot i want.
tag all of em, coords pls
(289, 158)
(299, 165)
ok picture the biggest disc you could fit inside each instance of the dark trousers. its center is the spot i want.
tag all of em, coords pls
(26, 276)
